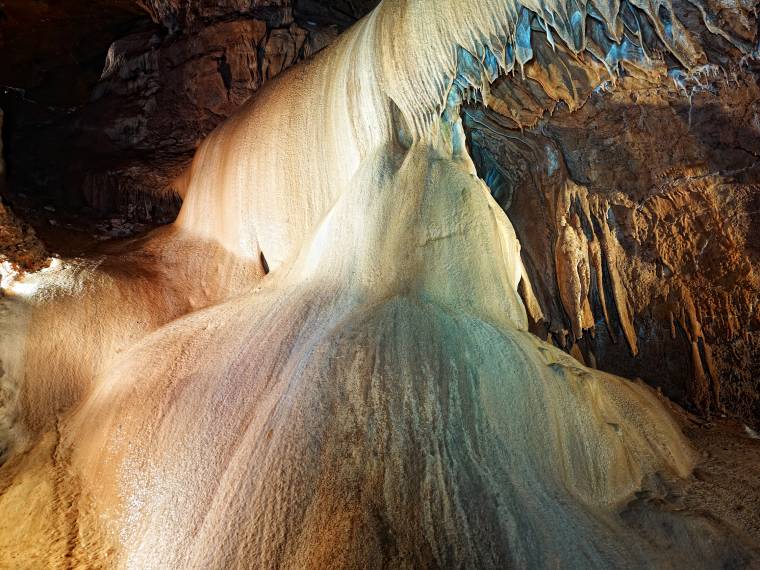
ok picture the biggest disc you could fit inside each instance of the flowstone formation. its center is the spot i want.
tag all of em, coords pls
(325, 361)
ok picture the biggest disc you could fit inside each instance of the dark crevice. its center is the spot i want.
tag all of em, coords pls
(225, 72)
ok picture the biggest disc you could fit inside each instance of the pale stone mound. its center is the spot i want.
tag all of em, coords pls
(353, 384)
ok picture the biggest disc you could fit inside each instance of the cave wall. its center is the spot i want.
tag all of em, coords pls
(19, 247)
(160, 96)
(633, 187)
(636, 204)
(2, 156)
(52, 51)
(162, 89)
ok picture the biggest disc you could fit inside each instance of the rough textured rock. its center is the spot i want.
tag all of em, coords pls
(20, 250)
(646, 267)
(176, 14)
(637, 208)
(161, 90)
(159, 96)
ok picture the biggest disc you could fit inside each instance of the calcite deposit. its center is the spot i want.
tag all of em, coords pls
(163, 88)
(346, 351)
(20, 250)
(651, 217)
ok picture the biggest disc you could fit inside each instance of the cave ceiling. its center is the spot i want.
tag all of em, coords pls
(54, 50)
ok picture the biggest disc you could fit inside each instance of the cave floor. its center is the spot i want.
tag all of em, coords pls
(726, 481)
(723, 489)
(40, 230)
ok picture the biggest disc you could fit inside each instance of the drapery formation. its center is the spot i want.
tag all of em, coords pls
(324, 361)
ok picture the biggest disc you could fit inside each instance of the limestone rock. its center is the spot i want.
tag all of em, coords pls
(20, 250)
(161, 90)
(653, 184)
(632, 184)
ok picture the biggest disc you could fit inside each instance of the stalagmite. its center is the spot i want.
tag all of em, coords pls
(324, 362)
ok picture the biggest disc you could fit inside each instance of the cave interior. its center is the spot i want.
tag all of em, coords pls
(192, 173)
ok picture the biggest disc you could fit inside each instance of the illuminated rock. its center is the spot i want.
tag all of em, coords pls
(352, 383)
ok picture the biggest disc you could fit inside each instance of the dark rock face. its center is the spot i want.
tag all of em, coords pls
(159, 97)
(637, 209)
(53, 51)
(180, 14)
(19, 246)
(636, 203)
(340, 13)
(161, 91)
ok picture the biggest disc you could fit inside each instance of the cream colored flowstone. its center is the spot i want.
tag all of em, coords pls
(375, 401)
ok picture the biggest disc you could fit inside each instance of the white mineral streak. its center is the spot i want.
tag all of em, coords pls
(375, 400)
